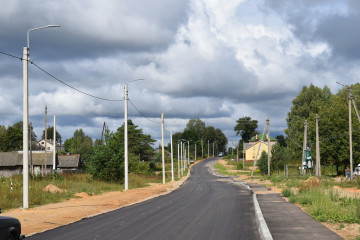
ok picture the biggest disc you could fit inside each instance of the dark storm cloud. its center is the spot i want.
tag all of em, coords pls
(89, 30)
(333, 22)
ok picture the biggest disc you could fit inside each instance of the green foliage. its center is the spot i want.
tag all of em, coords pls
(107, 160)
(11, 138)
(239, 166)
(308, 103)
(263, 163)
(50, 134)
(80, 144)
(286, 192)
(246, 128)
(280, 156)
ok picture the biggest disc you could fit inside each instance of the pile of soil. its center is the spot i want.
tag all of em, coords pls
(53, 189)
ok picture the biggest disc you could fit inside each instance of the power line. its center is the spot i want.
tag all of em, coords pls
(88, 94)
(10, 55)
(142, 113)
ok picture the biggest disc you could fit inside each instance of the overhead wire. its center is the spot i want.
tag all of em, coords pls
(143, 115)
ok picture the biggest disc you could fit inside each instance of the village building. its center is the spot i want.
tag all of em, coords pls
(251, 148)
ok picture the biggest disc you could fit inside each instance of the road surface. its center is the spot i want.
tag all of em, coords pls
(204, 207)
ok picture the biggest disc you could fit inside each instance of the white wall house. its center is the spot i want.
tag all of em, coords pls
(49, 145)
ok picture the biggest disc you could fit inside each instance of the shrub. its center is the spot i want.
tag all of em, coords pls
(239, 166)
(286, 192)
(263, 163)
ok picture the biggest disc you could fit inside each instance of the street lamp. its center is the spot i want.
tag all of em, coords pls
(25, 60)
(162, 143)
(126, 98)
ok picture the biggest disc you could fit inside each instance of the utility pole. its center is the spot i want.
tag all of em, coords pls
(350, 136)
(257, 154)
(45, 138)
(237, 153)
(162, 147)
(202, 148)
(181, 158)
(195, 151)
(54, 152)
(304, 145)
(318, 165)
(268, 125)
(126, 137)
(208, 148)
(213, 149)
(25, 60)
(178, 158)
(188, 152)
(172, 158)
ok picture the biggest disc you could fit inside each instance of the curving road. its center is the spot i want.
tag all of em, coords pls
(204, 207)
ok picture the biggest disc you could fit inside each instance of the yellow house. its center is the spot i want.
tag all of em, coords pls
(252, 147)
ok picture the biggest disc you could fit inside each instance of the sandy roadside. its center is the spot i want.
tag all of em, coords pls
(50, 216)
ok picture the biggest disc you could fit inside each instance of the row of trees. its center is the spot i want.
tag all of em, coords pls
(332, 110)
(197, 132)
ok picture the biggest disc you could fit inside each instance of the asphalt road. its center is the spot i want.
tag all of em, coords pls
(204, 207)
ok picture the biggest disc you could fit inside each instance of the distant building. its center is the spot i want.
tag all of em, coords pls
(252, 146)
(11, 163)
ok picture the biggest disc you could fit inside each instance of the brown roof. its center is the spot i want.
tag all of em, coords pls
(9, 159)
(69, 160)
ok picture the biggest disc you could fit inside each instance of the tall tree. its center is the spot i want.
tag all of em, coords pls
(305, 106)
(80, 144)
(50, 134)
(246, 128)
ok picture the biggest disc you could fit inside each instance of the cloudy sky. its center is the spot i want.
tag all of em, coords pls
(216, 60)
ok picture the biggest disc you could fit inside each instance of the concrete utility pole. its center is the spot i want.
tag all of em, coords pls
(257, 154)
(304, 144)
(178, 158)
(54, 152)
(237, 153)
(44, 169)
(162, 147)
(188, 153)
(268, 125)
(350, 137)
(202, 148)
(25, 129)
(25, 60)
(318, 165)
(213, 149)
(172, 158)
(126, 98)
(181, 158)
(195, 151)
(208, 148)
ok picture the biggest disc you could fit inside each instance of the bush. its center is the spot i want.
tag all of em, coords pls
(239, 166)
(263, 163)
(286, 192)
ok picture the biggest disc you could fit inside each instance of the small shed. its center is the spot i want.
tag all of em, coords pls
(10, 164)
(69, 162)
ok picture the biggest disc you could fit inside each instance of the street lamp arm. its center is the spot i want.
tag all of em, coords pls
(33, 29)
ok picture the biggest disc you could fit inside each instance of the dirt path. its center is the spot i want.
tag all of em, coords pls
(50, 216)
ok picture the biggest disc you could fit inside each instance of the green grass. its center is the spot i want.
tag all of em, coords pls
(222, 169)
(73, 184)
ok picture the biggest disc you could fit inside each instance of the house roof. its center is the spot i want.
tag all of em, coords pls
(10, 159)
(69, 160)
(258, 137)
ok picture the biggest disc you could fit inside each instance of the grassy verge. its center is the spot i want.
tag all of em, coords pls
(72, 184)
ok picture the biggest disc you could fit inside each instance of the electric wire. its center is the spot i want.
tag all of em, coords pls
(57, 79)
(88, 94)
(132, 104)
(10, 55)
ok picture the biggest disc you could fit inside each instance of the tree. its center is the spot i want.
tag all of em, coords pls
(246, 128)
(107, 160)
(11, 138)
(80, 144)
(197, 126)
(305, 106)
(280, 156)
(263, 163)
(281, 140)
(50, 134)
